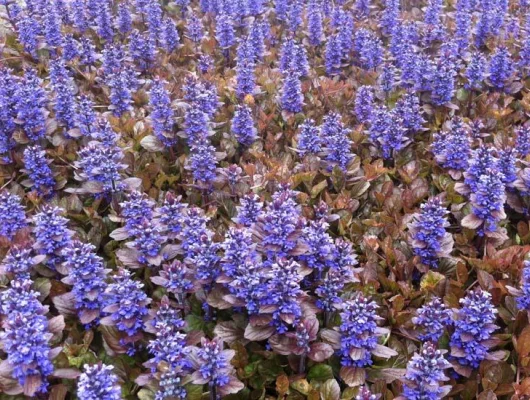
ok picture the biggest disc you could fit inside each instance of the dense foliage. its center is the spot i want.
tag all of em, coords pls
(261, 199)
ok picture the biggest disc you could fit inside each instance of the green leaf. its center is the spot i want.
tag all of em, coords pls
(145, 394)
(330, 390)
(320, 372)
(315, 190)
(194, 392)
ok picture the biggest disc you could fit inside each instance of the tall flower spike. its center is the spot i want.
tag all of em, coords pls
(292, 97)
(364, 104)
(358, 331)
(369, 49)
(314, 23)
(28, 31)
(162, 114)
(333, 55)
(522, 141)
(213, 367)
(430, 240)
(127, 305)
(487, 203)
(38, 169)
(64, 103)
(87, 276)
(195, 29)
(283, 294)
(98, 382)
(523, 299)
(453, 149)
(124, 19)
(26, 337)
(387, 78)
(432, 319)
(147, 242)
(85, 115)
(243, 126)
(51, 234)
(19, 261)
(170, 35)
(507, 166)
(337, 142)
(202, 161)
(12, 214)
(474, 324)
(309, 139)
(9, 108)
(249, 209)
(482, 159)
(120, 93)
(31, 100)
(501, 68)
(224, 31)
(409, 109)
(425, 372)
(169, 346)
(245, 69)
(279, 226)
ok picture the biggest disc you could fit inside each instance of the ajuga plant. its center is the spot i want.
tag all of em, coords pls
(236, 199)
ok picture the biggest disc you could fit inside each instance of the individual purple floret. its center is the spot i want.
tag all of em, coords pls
(432, 319)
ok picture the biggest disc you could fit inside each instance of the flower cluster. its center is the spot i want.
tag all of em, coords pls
(12, 215)
(424, 373)
(358, 331)
(98, 382)
(430, 240)
(432, 318)
(26, 337)
(127, 305)
(474, 324)
(87, 276)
